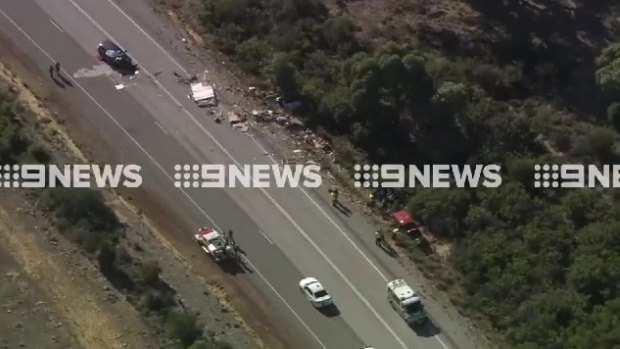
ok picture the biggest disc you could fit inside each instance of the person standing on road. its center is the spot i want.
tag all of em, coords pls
(230, 235)
(51, 71)
(57, 67)
(379, 238)
(334, 194)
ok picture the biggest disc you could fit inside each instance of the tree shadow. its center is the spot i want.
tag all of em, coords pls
(555, 44)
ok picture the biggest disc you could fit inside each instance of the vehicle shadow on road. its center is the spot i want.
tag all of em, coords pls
(125, 71)
(343, 209)
(389, 250)
(233, 267)
(237, 266)
(427, 330)
(330, 310)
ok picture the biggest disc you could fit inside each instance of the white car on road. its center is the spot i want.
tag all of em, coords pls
(315, 292)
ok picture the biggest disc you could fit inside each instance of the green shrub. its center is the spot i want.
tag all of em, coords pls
(86, 205)
(157, 300)
(183, 327)
(19, 143)
(149, 273)
(613, 115)
(253, 55)
(209, 344)
(41, 155)
(601, 141)
(91, 241)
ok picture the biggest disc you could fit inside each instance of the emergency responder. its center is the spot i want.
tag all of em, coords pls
(379, 239)
(334, 194)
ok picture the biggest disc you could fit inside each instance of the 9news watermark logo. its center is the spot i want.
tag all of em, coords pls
(70, 176)
(576, 176)
(247, 176)
(427, 176)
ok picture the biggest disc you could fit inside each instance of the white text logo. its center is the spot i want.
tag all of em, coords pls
(70, 176)
(576, 176)
(247, 176)
(427, 176)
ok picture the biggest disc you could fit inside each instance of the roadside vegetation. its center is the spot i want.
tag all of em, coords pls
(539, 265)
(83, 216)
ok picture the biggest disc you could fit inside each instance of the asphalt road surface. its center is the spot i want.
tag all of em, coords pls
(287, 233)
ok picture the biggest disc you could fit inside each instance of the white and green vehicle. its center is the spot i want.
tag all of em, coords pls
(406, 302)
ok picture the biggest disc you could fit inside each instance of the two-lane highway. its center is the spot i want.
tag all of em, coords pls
(287, 233)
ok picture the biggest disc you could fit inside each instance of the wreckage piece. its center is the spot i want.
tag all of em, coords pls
(203, 94)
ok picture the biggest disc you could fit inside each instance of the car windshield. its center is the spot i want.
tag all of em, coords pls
(113, 53)
(218, 242)
(320, 294)
(414, 307)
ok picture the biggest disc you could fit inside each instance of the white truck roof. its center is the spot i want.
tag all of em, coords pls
(400, 288)
(202, 91)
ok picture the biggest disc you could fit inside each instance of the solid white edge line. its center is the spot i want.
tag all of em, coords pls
(165, 173)
(273, 289)
(149, 37)
(340, 230)
(232, 158)
(161, 128)
(329, 218)
(56, 25)
(265, 236)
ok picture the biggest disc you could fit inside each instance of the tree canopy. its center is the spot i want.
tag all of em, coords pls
(542, 265)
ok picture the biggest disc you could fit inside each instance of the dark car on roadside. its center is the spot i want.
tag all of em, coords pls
(115, 56)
